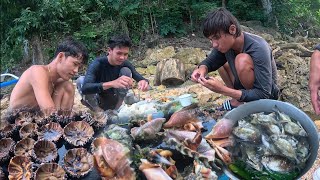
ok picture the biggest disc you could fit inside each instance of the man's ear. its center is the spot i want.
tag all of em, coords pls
(232, 29)
(60, 56)
(109, 50)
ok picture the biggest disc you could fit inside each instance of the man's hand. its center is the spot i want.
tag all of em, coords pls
(212, 83)
(122, 82)
(143, 85)
(199, 73)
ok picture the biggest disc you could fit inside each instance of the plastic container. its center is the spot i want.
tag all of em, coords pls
(185, 100)
(158, 114)
(268, 105)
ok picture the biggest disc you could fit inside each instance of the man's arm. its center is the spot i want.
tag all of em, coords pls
(39, 81)
(135, 75)
(90, 86)
(314, 80)
(214, 61)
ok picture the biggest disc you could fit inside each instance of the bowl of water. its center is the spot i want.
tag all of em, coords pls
(269, 106)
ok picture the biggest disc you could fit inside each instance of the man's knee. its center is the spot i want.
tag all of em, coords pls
(243, 62)
(68, 87)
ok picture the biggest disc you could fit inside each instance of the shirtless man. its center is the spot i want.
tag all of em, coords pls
(314, 80)
(47, 87)
(243, 60)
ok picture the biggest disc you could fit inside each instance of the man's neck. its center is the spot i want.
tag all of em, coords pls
(238, 44)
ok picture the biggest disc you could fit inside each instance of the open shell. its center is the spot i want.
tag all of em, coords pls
(50, 171)
(51, 132)
(45, 151)
(24, 147)
(28, 130)
(6, 146)
(78, 162)
(23, 118)
(20, 167)
(78, 133)
(7, 130)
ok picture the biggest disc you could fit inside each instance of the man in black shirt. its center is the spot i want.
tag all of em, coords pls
(109, 77)
(243, 60)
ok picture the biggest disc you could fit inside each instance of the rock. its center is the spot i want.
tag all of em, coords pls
(190, 55)
(153, 56)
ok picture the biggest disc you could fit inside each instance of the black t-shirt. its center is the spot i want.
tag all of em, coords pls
(100, 71)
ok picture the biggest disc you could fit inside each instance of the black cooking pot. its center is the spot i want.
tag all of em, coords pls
(267, 105)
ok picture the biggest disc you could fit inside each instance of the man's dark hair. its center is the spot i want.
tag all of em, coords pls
(74, 48)
(219, 21)
(119, 41)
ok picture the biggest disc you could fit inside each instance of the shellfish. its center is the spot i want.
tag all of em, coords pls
(78, 162)
(148, 130)
(153, 171)
(23, 118)
(119, 134)
(277, 164)
(24, 147)
(203, 152)
(51, 132)
(45, 151)
(78, 133)
(110, 159)
(182, 117)
(28, 130)
(7, 130)
(20, 167)
(6, 146)
(222, 129)
(50, 171)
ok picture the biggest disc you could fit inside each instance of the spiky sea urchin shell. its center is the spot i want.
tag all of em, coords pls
(78, 133)
(51, 132)
(6, 146)
(84, 116)
(100, 119)
(20, 167)
(24, 147)
(78, 162)
(23, 118)
(7, 130)
(28, 130)
(45, 151)
(50, 171)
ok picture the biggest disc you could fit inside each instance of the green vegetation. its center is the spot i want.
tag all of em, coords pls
(240, 168)
(23, 23)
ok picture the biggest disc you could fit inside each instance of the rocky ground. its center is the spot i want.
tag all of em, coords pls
(292, 56)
